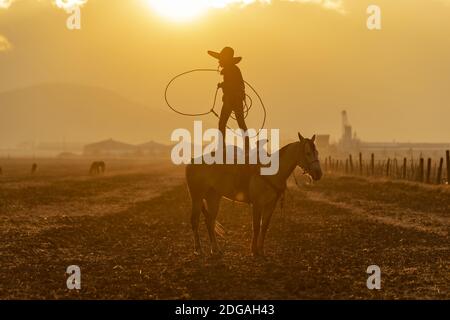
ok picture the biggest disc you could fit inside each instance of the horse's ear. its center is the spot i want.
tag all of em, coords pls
(313, 138)
(300, 137)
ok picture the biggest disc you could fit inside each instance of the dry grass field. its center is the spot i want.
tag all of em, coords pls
(129, 232)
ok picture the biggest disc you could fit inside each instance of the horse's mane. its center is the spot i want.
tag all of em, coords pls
(284, 149)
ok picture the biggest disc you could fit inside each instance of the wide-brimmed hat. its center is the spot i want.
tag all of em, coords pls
(227, 54)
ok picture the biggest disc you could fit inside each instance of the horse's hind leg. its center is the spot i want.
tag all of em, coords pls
(195, 217)
(256, 228)
(210, 212)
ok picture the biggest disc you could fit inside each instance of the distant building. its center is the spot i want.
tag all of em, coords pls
(349, 140)
(152, 149)
(113, 148)
(109, 148)
(67, 155)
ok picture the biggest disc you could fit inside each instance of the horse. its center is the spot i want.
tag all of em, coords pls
(97, 167)
(34, 167)
(208, 184)
(94, 168)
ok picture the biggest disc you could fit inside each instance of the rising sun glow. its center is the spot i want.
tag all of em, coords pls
(179, 9)
(189, 9)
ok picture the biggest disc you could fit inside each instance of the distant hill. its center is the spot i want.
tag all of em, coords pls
(56, 112)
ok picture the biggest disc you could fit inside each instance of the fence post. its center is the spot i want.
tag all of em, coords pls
(439, 172)
(421, 171)
(387, 167)
(372, 164)
(350, 162)
(395, 168)
(428, 170)
(360, 164)
(404, 168)
(448, 166)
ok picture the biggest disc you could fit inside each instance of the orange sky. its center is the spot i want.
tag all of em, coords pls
(307, 61)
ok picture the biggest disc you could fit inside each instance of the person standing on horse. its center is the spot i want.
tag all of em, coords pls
(233, 88)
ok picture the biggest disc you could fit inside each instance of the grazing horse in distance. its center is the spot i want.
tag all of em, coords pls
(34, 168)
(97, 167)
(94, 168)
(209, 183)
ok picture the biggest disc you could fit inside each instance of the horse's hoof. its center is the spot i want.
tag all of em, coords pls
(197, 252)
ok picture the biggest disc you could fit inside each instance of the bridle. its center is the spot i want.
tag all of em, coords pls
(309, 166)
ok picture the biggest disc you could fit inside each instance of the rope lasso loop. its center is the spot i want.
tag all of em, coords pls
(247, 107)
(183, 113)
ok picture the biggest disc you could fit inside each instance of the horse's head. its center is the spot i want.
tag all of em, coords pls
(309, 157)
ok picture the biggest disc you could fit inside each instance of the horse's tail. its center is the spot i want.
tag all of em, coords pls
(218, 228)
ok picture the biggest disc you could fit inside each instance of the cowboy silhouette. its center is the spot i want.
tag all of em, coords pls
(233, 88)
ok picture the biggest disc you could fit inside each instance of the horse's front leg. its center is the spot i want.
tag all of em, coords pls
(195, 215)
(210, 212)
(266, 216)
(256, 228)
